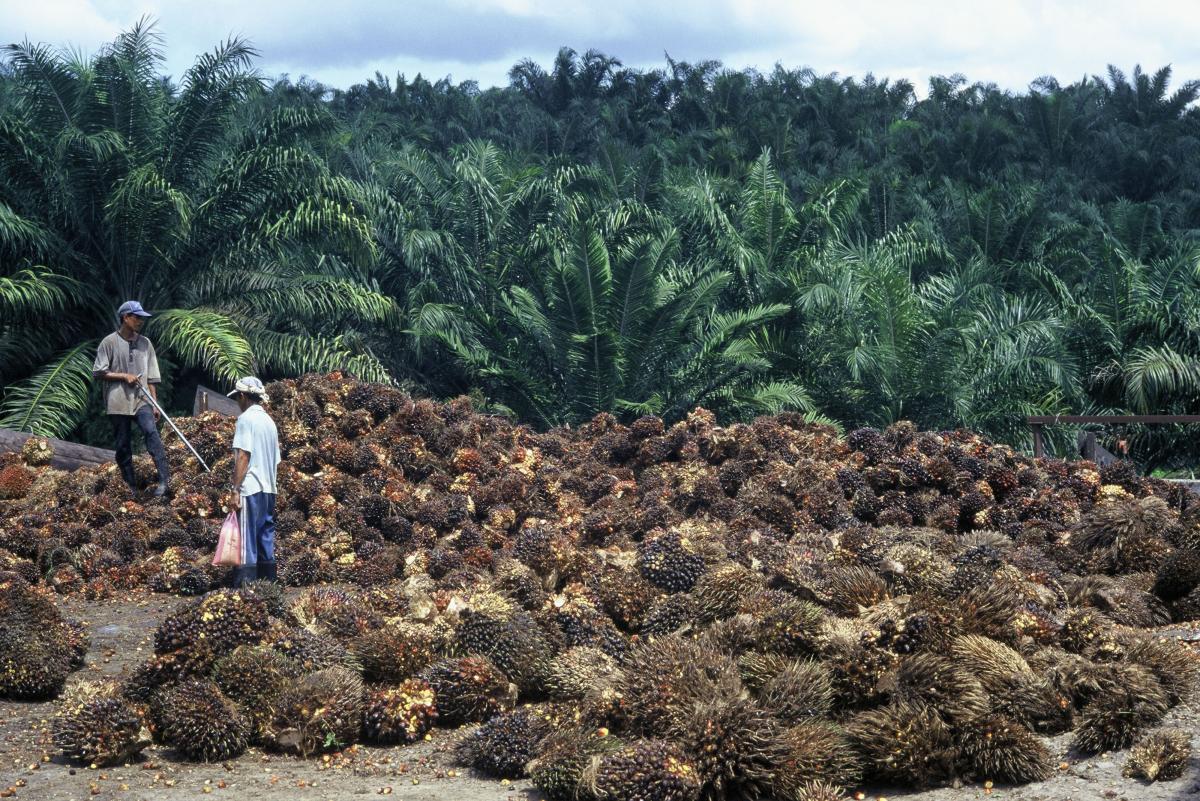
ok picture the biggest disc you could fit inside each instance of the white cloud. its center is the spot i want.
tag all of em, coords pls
(1009, 43)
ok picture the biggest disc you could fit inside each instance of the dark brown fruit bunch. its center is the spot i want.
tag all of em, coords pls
(903, 742)
(504, 745)
(998, 748)
(564, 756)
(394, 652)
(201, 723)
(99, 730)
(645, 770)
(322, 711)
(668, 561)
(399, 715)
(469, 689)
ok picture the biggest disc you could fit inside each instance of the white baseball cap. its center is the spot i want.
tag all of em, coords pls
(251, 386)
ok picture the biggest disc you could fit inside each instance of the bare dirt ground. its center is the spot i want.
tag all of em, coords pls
(122, 635)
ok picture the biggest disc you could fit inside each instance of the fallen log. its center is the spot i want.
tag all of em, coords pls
(67, 455)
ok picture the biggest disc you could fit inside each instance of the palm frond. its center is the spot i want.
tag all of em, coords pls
(206, 339)
(52, 401)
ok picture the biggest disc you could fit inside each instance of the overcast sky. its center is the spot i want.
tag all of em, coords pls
(342, 43)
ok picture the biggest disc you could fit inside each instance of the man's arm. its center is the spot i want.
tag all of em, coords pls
(241, 464)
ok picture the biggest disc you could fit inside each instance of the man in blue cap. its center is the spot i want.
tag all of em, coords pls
(124, 360)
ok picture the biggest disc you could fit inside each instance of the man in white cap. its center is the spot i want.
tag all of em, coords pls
(124, 360)
(255, 459)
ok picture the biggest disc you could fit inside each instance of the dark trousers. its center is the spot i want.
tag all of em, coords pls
(122, 431)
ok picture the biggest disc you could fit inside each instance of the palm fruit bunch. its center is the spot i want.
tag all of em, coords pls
(38, 647)
(644, 770)
(1161, 755)
(761, 609)
(503, 745)
(94, 725)
(318, 712)
(468, 689)
(401, 714)
(201, 723)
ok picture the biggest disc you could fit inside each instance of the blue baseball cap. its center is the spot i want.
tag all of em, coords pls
(132, 307)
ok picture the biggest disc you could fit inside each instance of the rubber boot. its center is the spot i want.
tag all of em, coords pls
(267, 571)
(243, 575)
(161, 489)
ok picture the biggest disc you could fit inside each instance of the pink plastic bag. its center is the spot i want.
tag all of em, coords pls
(229, 544)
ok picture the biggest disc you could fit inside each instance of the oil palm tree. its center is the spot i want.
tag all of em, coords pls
(209, 206)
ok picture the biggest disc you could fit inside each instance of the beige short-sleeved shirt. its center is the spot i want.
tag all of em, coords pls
(118, 355)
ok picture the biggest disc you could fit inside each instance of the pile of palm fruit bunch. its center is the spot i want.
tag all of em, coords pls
(647, 612)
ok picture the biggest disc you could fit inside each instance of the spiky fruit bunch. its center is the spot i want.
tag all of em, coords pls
(580, 672)
(98, 729)
(669, 562)
(644, 770)
(15, 481)
(37, 451)
(311, 651)
(996, 747)
(504, 745)
(815, 751)
(1176, 666)
(394, 652)
(38, 648)
(937, 681)
(1103, 728)
(205, 630)
(737, 746)
(201, 723)
(1161, 755)
(668, 676)
(253, 676)
(720, 592)
(670, 614)
(399, 715)
(563, 757)
(818, 790)
(1178, 575)
(469, 689)
(799, 691)
(904, 742)
(322, 711)
(853, 587)
(335, 612)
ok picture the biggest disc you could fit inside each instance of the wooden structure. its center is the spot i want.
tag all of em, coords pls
(1038, 424)
(67, 455)
(207, 400)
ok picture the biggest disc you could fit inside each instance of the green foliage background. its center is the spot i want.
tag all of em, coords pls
(597, 238)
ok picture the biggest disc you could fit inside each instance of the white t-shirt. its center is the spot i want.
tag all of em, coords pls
(256, 434)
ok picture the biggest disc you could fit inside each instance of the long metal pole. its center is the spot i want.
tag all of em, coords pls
(149, 397)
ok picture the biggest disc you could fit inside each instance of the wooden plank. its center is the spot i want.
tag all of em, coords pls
(210, 400)
(67, 455)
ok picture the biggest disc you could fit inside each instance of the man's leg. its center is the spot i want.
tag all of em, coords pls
(250, 518)
(145, 420)
(124, 446)
(266, 539)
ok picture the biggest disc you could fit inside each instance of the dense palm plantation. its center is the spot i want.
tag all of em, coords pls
(596, 238)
